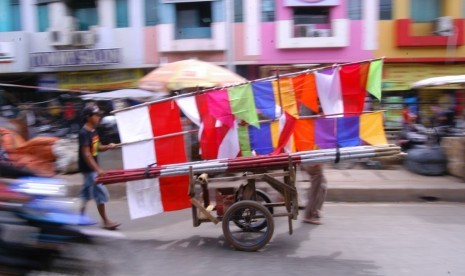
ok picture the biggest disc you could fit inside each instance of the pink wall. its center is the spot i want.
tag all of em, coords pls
(271, 55)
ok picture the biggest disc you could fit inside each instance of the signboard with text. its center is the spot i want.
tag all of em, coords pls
(92, 80)
(81, 57)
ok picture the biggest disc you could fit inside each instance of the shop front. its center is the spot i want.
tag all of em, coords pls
(424, 102)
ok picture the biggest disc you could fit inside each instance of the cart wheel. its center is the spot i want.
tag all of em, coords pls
(248, 214)
(259, 223)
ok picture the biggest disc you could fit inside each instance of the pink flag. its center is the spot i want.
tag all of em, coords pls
(219, 107)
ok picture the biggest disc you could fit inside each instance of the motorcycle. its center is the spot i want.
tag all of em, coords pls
(38, 225)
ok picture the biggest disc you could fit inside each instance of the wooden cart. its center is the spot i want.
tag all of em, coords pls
(246, 213)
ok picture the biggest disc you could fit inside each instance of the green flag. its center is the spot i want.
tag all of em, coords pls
(243, 104)
(244, 140)
(375, 75)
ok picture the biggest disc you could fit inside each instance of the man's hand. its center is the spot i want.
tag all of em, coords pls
(111, 146)
(101, 172)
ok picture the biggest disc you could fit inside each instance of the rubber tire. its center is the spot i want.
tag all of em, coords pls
(265, 198)
(229, 216)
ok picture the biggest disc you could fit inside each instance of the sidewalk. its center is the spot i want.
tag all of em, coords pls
(353, 185)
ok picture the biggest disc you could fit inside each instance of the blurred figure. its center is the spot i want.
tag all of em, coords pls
(316, 193)
(89, 147)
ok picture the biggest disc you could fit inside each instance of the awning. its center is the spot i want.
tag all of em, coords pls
(133, 94)
(438, 81)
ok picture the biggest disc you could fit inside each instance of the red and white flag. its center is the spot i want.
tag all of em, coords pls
(139, 129)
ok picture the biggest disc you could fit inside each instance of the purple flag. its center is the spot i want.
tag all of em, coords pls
(325, 133)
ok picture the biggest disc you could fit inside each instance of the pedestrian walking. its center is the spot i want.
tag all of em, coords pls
(316, 193)
(89, 147)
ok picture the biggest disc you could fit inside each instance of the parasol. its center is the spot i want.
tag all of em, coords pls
(437, 81)
(188, 73)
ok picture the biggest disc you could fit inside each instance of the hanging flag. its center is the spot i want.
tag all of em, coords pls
(243, 104)
(137, 127)
(286, 128)
(353, 84)
(165, 118)
(285, 96)
(329, 91)
(260, 139)
(219, 107)
(229, 147)
(244, 140)
(305, 91)
(325, 133)
(211, 133)
(264, 98)
(188, 107)
(304, 134)
(348, 131)
(375, 75)
(371, 128)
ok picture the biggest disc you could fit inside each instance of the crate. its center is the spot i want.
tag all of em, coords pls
(224, 199)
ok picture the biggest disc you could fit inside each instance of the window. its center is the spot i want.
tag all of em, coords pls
(425, 10)
(311, 15)
(85, 12)
(355, 9)
(42, 16)
(10, 16)
(151, 12)
(385, 9)
(122, 14)
(238, 11)
(16, 16)
(267, 10)
(193, 20)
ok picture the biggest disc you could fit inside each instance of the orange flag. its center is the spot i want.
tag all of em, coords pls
(305, 91)
(304, 134)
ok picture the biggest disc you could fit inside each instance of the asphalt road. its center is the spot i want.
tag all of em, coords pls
(356, 239)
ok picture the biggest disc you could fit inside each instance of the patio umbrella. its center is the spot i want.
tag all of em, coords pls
(188, 73)
(133, 94)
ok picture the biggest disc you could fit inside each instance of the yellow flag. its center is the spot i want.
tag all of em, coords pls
(371, 128)
(285, 96)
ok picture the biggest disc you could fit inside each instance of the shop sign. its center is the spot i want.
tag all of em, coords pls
(6, 52)
(81, 57)
(303, 3)
(93, 80)
(398, 77)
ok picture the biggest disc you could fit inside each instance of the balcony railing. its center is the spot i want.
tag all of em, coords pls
(193, 32)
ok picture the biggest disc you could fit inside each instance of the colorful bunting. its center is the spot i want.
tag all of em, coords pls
(371, 128)
(264, 98)
(260, 139)
(285, 96)
(375, 75)
(326, 130)
(304, 134)
(353, 83)
(348, 131)
(219, 107)
(305, 91)
(329, 91)
(243, 104)
(244, 140)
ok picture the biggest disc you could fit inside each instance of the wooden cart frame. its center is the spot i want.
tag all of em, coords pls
(248, 222)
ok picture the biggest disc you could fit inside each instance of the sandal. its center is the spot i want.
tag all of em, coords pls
(312, 221)
(111, 226)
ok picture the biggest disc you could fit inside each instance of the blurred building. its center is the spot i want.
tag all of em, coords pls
(110, 44)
